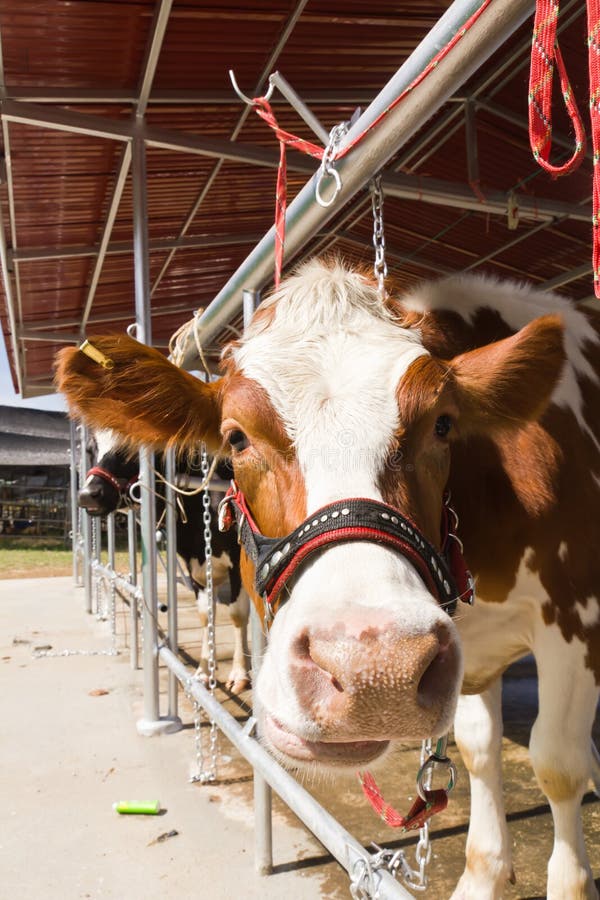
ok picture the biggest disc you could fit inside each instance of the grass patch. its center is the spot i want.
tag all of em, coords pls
(39, 557)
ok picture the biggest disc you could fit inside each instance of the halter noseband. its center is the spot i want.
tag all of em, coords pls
(121, 485)
(276, 559)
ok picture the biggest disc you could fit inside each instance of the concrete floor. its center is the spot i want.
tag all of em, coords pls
(70, 749)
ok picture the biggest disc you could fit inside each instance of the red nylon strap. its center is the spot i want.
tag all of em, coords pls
(418, 814)
(107, 476)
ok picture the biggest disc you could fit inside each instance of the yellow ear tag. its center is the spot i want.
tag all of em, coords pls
(97, 355)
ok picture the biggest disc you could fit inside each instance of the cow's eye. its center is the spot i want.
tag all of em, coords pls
(443, 426)
(238, 440)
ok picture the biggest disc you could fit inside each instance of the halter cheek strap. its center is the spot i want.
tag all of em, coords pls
(357, 519)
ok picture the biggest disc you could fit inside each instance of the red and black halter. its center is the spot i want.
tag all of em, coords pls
(276, 559)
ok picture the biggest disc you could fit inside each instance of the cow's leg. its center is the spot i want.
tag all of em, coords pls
(239, 677)
(202, 604)
(478, 733)
(562, 758)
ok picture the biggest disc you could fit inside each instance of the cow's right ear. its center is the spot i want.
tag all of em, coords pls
(138, 393)
(504, 385)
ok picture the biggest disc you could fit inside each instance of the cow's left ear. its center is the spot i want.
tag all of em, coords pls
(135, 391)
(505, 384)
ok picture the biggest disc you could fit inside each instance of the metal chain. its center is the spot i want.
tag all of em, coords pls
(423, 848)
(380, 266)
(206, 775)
(112, 650)
(363, 878)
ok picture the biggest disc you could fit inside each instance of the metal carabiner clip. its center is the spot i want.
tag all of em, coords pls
(430, 764)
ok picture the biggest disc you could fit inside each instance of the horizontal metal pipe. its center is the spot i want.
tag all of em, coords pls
(346, 849)
(121, 582)
(305, 217)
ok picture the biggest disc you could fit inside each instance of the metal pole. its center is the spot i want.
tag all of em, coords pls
(151, 722)
(346, 849)
(110, 539)
(305, 217)
(133, 604)
(263, 833)
(172, 633)
(86, 526)
(75, 511)
(110, 547)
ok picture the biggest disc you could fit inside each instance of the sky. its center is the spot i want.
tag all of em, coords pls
(8, 397)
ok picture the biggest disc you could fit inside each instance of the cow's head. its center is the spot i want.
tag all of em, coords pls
(332, 395)
(109, 479)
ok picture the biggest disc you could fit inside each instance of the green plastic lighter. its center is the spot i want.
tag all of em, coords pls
(141, 808)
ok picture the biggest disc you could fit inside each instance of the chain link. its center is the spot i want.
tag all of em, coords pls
(380, 266)
(206, 775)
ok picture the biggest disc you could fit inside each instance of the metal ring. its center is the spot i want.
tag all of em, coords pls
(338, 186)
(136, 484)
(430, 764)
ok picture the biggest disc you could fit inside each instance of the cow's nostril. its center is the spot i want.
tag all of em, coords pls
(336, 684)
(438, 673)
(301, 646)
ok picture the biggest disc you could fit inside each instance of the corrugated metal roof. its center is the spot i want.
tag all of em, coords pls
(89, 58)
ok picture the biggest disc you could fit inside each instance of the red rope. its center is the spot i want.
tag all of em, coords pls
(593, 10)
(544, 52)
(263, 108)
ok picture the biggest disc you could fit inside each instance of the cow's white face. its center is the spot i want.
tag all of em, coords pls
(328, 397)
(361, 653)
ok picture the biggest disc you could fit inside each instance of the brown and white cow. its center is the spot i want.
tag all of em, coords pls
(487, 389)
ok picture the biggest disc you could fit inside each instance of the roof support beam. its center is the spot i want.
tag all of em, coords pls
(122, 247)
(54, 337)
(447, 193)
(159, 27)
(113, 206)
(65, 120)
(69, 95)
(289, 26)
(161, 138)
(568, 277)
(521, 122)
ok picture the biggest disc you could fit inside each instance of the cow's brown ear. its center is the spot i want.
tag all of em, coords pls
(139, 394)
(508, 383)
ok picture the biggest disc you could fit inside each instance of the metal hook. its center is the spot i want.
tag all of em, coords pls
(242, 96)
